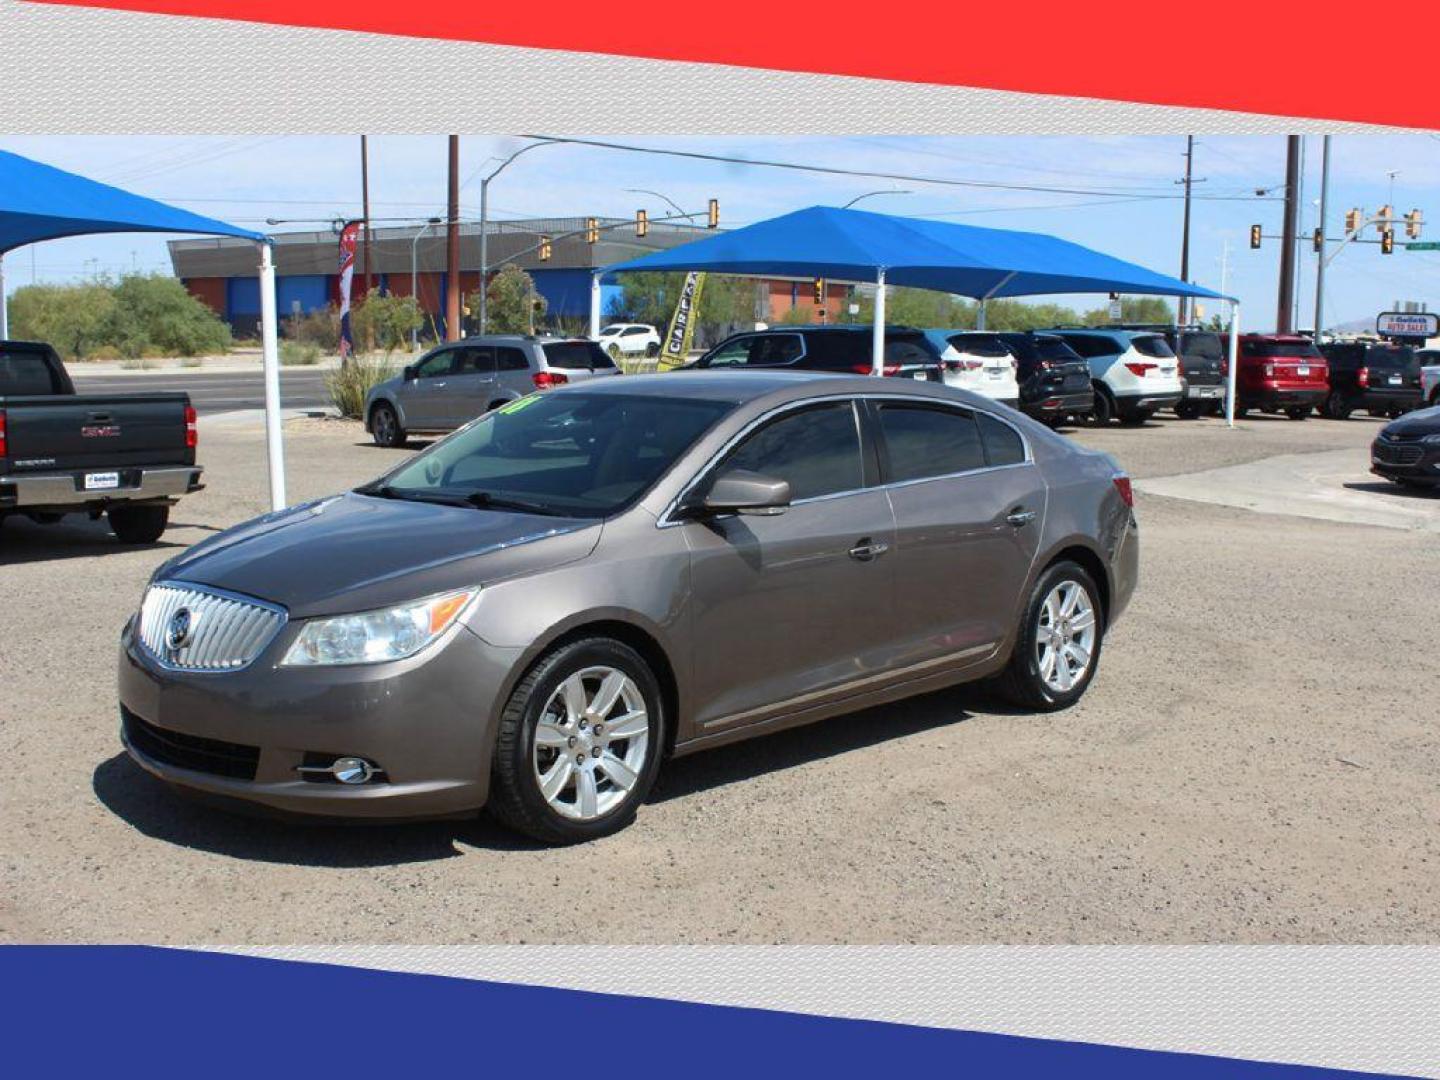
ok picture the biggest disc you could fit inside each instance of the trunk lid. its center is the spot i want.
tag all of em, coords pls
(44, 434)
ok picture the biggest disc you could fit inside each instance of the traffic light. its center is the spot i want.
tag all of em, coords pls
(714, 214)
(1354, 220)
(642, 223)
(819, 292)
(592, 230)
(1255, 236)
(1414, 221)
(1383, 215)
(1319, 241)
(1387, 242)
(544, 249)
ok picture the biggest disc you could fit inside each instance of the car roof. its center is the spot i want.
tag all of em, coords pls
(1104, 331)
(539, 339)
(740, 387)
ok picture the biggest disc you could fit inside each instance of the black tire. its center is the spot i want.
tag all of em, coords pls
(515, 797)
(385, 426)
(1136, 417)
(138, 524)
(1298, 412)
(1187, 410)
(652, 350)
(1104, 409)
(1242, 411)
(1020, 683)
(1337, 408)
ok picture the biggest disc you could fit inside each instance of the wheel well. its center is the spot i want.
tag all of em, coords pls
(1094, 566)
(649, 649)
(496, 404)
(370, 416)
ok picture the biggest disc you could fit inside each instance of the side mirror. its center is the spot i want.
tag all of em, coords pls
(742, 492)
(409, 372)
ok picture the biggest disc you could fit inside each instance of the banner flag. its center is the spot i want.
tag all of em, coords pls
(682, 323)
(348, 235)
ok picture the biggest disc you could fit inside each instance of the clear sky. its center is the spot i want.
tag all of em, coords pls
(1120, 194)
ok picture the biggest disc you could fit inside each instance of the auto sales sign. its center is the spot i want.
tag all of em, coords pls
(1417, 324)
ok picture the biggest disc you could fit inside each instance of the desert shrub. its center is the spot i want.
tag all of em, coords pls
(299, 353)
(320, 328)
(139, 315)
(75, 319)
(385, 321)
(348, 385)
(513, 305)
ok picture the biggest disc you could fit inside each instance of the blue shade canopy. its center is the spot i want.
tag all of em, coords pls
(40, 202)
(854, 245)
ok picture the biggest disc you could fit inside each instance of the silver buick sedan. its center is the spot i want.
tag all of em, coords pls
(534, 613)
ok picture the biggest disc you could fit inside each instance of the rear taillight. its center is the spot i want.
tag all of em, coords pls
(1141, 369)
(544, 380)
(1364, 376)
(890, 370)
(1122, 485)
(192, 431)
(3, 448)
(1224, 367)
(1269, 371)
(1179, 366)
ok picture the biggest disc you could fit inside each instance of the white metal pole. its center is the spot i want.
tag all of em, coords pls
(4, 314)
(270, 355)
(980, 314)
(1234, 364)
(877, 341)
(595, 305)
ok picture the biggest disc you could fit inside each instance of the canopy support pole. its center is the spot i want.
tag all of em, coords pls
(877, 341)
(980, 308)
(4, 314)
(1234, 364)
(270, 355)
(595, 305)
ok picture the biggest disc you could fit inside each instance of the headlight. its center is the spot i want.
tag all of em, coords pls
(1432, 440)
(375, 636)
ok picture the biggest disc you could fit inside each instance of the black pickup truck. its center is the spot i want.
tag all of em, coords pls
(127, 456)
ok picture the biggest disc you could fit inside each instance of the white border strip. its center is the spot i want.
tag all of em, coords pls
(1354, 1007)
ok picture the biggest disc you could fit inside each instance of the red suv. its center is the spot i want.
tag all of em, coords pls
(1280, 371)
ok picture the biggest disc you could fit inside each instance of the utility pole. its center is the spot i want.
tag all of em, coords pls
(1285, 303)
(1183, 302)
(365, 208)
(452, 247)
(1320, 254)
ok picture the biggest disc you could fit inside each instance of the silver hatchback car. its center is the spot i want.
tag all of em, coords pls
(535, 612)
(454, 383)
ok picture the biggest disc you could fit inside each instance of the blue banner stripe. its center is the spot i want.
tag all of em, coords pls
(127, 1010)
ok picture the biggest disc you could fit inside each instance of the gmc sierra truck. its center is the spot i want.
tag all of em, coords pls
(127, 456)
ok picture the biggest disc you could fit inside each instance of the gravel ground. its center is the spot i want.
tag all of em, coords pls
(1257, 761)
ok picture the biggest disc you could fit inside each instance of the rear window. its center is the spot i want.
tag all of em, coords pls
(577, 356)
(24, 373)
(1153, 345)
(976, 345)
(1394, 359)
(1056, 350)
(1279, 348)
(1207, 346)
(1087, 345)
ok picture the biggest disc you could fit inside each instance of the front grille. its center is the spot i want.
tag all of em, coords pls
(234, 760)
(1388, 454)
(198, 629)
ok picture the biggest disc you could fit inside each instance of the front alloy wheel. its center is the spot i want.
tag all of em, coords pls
(579, 743)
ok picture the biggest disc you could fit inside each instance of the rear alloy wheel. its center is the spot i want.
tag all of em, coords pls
(385, 426)
(1058, 648)
(1298, 412)
(138, 524)
(579, 743)
(1104, 409)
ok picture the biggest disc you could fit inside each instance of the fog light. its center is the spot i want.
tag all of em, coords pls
(352, 770)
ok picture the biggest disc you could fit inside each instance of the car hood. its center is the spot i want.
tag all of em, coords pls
(355, 552)
(1420, 422)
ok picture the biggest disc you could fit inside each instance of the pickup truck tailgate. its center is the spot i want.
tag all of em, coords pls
(80, 432)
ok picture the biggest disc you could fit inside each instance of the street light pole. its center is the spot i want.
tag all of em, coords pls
(1320, 259)
(415, 276)
(872, 194)
(485, 228)
(663, 198)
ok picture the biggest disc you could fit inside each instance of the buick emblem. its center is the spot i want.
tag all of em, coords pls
(177, 633)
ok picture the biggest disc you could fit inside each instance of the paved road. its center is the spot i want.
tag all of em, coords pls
(300, 388)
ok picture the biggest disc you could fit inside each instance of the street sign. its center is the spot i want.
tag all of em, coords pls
(1423, 245)
(1117, 311)
(1420, 324)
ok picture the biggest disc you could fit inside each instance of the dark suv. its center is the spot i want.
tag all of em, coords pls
(1054, 379)
(908, 353)
(1381, 378)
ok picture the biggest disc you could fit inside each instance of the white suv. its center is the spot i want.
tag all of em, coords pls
(630, 339)
(978, 362)
(1135, 373)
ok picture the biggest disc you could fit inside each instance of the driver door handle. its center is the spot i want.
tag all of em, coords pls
(866, 549)
(1020, 517)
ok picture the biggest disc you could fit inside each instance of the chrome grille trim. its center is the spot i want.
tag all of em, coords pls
(228, 631)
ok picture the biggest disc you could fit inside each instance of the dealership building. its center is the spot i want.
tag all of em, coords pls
(221, 272)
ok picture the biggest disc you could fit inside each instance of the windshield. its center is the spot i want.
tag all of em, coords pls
(569, 453)
(577, 356)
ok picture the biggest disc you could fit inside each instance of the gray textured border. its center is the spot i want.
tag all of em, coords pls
(91, 71)
(1357, 1007)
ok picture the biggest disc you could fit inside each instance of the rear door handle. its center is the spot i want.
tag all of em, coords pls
(866, 549)
(1020, 517)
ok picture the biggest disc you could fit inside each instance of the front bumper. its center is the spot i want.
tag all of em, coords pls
(66, 490)
(427, 723)
(1405, 461)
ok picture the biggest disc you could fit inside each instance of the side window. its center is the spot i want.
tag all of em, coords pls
(731, 353)
(773, 350)
(508, 358)
(817, 450)
(633, 331)
(26, 373)
(922, 442)
(1003, 445)
(907, 351)
(437, 363)
(474, 360)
